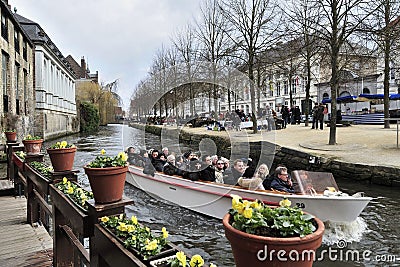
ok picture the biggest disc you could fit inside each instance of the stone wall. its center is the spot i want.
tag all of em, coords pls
(293, 159)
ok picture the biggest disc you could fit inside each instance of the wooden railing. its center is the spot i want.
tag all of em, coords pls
(70, 223)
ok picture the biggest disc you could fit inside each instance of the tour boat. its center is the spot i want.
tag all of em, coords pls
(214, 199)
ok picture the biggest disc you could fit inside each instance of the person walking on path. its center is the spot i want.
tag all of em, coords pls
(320, 116)
(314, 117)
(285, 116)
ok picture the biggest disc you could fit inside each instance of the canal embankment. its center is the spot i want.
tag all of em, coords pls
(365, 153)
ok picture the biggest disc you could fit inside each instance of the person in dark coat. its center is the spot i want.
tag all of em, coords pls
(251, 168)
(282, 181)
(194, 172)
(320, 116)
(207, 170)
(170, 167)
(236, 172)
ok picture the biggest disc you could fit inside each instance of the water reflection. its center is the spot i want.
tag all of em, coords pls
(203, 235)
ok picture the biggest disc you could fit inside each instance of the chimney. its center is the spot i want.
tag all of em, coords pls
(83, 68)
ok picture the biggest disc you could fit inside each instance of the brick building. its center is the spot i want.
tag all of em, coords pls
(17, 106)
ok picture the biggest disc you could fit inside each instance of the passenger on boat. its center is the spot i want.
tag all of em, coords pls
(179, 161)
(236, 172)
(170, 167)
(250, 168)
(282, 181)
(159, 162)
(165, 151)
(132, 156)
(207, 169)
(214, 160)
(219, 172)
(194, 172)
(257, 181)
(141, 158)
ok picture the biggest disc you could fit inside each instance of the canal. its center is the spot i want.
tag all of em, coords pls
(373, 240)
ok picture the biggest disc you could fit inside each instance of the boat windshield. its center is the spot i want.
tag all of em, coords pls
(309, 183)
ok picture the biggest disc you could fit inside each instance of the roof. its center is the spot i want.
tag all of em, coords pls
(36, 33)
(11, 16)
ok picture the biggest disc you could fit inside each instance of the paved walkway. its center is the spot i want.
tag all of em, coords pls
(363, 144)
(21, 244)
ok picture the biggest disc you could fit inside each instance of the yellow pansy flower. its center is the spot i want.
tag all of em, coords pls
(239, 207)
(152, 245)
(104, 219)
(246, 203)
(65, 180)
(63, 144)
(196, 261)
(285, 203)
(102, 152)
(70, 190)
(123, 156)
(212, 265)
(235, 199)
(256, 205)
(134, 219)
(165, 232)
(130, 228)
(181, 257)
(248, 213)
(122, 227)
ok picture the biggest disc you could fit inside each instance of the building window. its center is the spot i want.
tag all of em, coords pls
(366, 91)
(16, 79)
(16, 41)
(26, 92)
(4, 68)
(4, 26)
(294, 85)
(278, 88)
(285, 88)
(325, 96)
(24, 50)
(304, 82)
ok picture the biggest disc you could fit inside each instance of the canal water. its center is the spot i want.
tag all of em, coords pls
(373, 240)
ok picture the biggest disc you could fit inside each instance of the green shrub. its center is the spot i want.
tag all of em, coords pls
(90, 118)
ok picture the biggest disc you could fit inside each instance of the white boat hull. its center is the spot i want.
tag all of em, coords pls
(214, 200)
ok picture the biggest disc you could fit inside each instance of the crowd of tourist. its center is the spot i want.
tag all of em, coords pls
(211, 168)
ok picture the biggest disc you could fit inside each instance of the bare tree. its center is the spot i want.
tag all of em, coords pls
(211, 32)
(304, 19)
(339, 21)
(187, 48)
(253, 29)
(383, 28)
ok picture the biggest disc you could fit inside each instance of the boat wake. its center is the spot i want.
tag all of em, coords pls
(348, 231)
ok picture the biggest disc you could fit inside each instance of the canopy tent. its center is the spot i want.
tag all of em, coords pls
(380, 96)
(341, 99)
(361, 98)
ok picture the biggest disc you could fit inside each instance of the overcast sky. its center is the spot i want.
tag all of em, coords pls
(118, 38)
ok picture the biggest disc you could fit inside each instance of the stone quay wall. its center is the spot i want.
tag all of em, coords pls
(293, 159)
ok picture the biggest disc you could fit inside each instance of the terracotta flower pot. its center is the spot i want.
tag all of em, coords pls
(11, 136)
(253, 250)
(33, 146)
(62, 159)
(107, 183)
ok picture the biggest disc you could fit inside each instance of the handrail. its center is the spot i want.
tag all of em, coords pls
(71, 224)
(76, 243)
